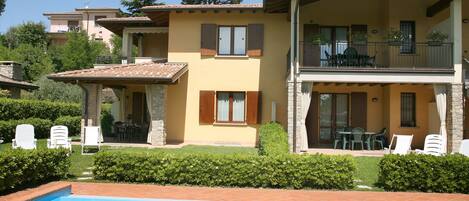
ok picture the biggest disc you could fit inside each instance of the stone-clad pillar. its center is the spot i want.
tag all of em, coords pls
(294, 124)
(455, 117)
(91, 106)
(156, 101)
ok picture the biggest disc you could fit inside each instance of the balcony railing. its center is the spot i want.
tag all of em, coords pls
(377, 55)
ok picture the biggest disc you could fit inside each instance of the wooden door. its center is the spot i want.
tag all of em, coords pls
(138, 110)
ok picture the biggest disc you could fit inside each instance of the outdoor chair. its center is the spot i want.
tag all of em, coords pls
(59, 138)
(338, 138)
(403, 144)
(433, 145)
(24, 137)
(330, 60)
(357, 137)
(464, 148)
(379, 138)
(92, 138)
(351, 57)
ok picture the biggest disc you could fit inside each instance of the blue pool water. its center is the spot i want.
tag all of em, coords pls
(66, 195)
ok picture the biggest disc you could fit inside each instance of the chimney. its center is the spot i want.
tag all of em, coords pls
(11, 70)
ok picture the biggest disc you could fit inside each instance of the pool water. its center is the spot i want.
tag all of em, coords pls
(66, 195)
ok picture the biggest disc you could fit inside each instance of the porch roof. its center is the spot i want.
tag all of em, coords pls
(143, 73)
(117, 24)
(6, 81)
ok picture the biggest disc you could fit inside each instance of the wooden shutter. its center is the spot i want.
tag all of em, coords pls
(312, 120)
(255, 40)
(206, 107)
(311, 51)
(361, 46)
(359, 110)
(208, 41)
(253, 114)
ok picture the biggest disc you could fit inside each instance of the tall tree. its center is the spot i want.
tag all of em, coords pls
(35, 61)
(27, 33)
(134, 6)
(2, 6)
(211, 1)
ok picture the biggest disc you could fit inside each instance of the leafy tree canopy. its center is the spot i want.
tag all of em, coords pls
(134, 6)
(2, 6)
(35, 61)
(211, 1)
(31, 33)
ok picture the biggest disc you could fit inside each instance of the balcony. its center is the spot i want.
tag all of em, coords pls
(377, 56)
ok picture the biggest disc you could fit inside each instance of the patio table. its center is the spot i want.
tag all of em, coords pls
(346, 134)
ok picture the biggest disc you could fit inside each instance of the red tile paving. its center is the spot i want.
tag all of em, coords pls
(238, 194)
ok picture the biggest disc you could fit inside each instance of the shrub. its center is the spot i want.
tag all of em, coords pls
(106, 119)
(425, 173)
(286, 171)
(24, 167)
(73, 124)
(23, 109)
(41, 128)
(55, 91)
(273, 140)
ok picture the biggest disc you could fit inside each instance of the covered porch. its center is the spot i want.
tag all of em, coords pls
(140, 111)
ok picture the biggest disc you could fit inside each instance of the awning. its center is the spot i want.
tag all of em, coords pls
(6, 81)
(143, 73)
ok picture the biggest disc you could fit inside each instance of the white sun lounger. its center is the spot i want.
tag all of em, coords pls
(59, 138)
(403, 144)
(433, 145)
(92, 138)
(24, 137)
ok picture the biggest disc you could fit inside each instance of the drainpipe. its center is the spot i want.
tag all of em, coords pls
(85, 115)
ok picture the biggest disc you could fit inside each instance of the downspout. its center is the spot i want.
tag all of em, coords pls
(85, 115)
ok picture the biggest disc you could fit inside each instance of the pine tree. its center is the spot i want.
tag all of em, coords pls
(134, 6)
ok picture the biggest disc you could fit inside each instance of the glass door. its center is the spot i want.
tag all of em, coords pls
(336, 42)
(333, 114)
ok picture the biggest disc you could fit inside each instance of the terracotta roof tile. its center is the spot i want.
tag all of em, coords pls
(143, 72)
(15, 83)
(204, 6)
(126, 19)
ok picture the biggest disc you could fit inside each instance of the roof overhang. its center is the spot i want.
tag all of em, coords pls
(282, 6)
(117, 25)
(144, 73)
(8, 82)
(437, 7)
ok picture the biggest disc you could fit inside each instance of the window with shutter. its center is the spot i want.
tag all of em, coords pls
(208, 44)
(231, 107)
(206, 107)
(232, 40)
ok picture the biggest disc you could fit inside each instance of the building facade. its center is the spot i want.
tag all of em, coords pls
(314, 66)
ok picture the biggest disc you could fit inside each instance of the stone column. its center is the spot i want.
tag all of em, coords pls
(156, 96)
(91, 106)
(294, 123)
(127, 43)
(455, 117)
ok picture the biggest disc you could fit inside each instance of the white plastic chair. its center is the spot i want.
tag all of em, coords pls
(59, 138)
(24, 137)
(464, 148)
(403, 144)
(433, 145)
(92, 138)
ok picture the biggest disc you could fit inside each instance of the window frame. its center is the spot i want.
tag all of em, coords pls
(412, 41)
(230, 107)
(413, 112)
(232, 40)
(96, 18)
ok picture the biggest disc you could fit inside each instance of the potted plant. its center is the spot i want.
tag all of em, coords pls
(436, 38)
(395, 38)
(359, 38)
(319, 39)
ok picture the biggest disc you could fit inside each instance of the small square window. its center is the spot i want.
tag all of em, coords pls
(232, 40)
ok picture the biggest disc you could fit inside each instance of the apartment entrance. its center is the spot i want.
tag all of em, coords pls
(333, 115)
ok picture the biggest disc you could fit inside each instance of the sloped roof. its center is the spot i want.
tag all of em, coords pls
(202, 7)
(117, 24)
(6, 81)
(164, 73)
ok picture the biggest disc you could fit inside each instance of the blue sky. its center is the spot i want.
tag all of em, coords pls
(19, 11)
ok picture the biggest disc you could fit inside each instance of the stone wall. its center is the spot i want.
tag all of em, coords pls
(294, 124)
(11, 70)
(455, 116)
(156, 100)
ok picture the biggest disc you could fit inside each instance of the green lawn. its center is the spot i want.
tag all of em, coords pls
(367, 167)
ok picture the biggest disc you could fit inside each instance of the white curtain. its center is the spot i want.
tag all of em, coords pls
(238, 107)
(440, 97)
(148, 91)
(223, 105)
(306, 90)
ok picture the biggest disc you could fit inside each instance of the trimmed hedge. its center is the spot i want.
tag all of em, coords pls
(24, 167)
(426, 173)
(41, 128)
(286, 171)
(23, 109)
(73, 124)
(273, 140)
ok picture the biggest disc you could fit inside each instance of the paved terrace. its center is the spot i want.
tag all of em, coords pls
(226, 194)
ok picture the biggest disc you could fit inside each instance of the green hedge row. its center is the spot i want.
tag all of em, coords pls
(273, 140)
(23, 167)
(24, 109)
(286, 171)
(426, 173)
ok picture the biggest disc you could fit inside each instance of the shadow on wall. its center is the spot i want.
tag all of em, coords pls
(176, 110)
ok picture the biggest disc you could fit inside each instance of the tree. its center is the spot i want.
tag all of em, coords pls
(35, 61)
(2, 6)
(211, 1)
(55, 91)
(79, 52)
(27, 33)
(134, 6)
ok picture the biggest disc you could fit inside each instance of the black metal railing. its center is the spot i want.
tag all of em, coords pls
(377, 55)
